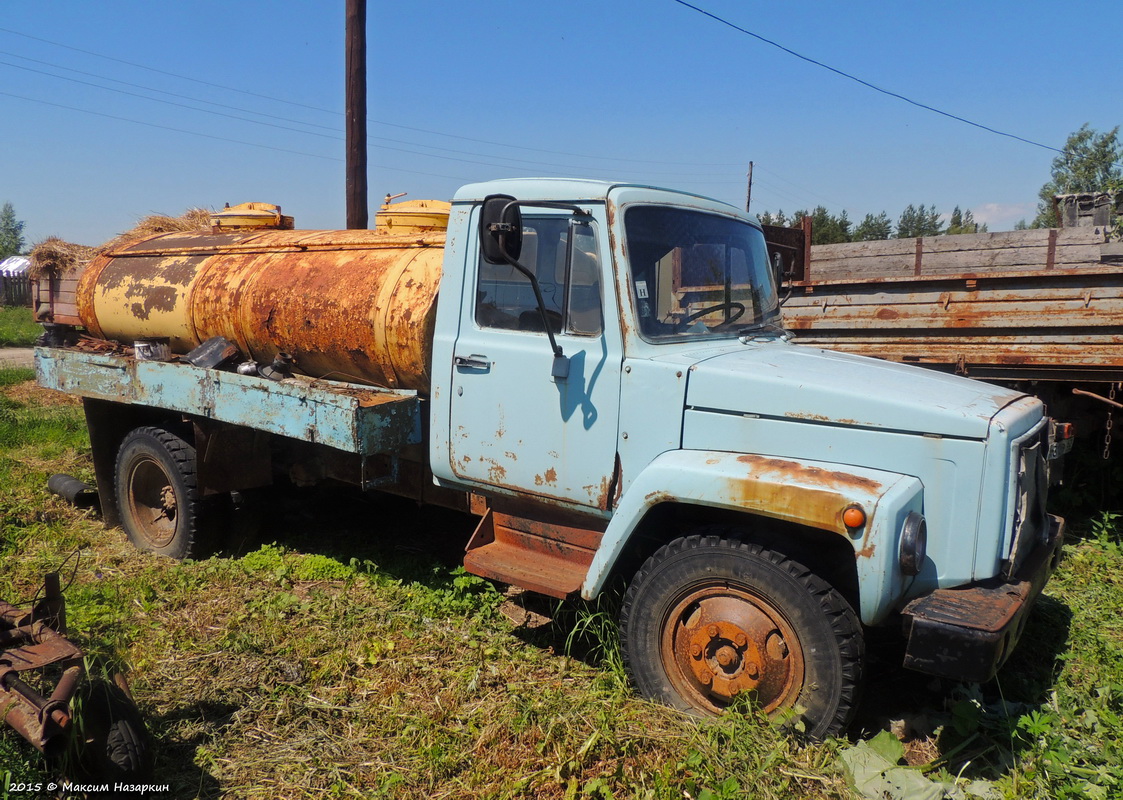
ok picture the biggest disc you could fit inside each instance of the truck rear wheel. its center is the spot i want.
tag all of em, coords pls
(710, 619)
(157, 493)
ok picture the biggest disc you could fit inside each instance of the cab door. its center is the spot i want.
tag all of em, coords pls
(513, 425)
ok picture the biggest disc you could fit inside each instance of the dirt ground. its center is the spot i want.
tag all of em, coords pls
(16, 357)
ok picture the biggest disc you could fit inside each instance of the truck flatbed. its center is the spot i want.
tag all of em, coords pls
(363, 420)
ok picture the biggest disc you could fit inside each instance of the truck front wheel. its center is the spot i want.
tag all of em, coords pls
(711, 619)
(157, 493)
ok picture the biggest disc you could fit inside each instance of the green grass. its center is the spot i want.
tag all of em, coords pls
(344, 654)
(17, 327)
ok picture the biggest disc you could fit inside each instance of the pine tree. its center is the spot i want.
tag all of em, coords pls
(873, 228)
(964, 222)
(11, 232)
(919, 221)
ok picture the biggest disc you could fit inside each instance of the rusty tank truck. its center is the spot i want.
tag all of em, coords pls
(598, 371)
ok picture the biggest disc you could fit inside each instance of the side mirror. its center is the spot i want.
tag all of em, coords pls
(501, 229)
(778, 269)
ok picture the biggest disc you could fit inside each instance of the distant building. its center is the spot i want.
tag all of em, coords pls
(14, 266)
(1089, 209)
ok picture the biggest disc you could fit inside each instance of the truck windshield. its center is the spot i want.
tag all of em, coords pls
(696, 274)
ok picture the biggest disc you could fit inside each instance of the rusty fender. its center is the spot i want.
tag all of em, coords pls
(810, 493)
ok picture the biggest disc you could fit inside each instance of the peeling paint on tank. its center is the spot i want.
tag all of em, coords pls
(357, 305)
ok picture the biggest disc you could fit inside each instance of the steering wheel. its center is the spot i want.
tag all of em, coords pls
(732, 304)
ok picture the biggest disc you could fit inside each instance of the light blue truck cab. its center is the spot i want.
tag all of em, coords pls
(724, 468)
(613, 394)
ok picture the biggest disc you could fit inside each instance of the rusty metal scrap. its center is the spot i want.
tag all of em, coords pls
(31, 640)
(1095, 396)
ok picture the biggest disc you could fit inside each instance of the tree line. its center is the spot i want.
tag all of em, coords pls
(828, 228)
(1089, 162)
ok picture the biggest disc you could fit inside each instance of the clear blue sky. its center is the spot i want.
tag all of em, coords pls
(463, 91)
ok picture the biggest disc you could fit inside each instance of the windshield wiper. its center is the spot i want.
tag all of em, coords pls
(745, 331)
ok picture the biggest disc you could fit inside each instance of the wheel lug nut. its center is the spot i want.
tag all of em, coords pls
(741, 640)
(752, 671)
(712, 630)
(707, 678)
(696, 650)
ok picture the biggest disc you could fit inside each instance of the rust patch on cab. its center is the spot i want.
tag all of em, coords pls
(828, 479)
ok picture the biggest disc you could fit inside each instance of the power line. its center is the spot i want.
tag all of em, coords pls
(88, 74)
(867, 84)
(214, 137)
(340, 113)
(516, 162)
(274, 148)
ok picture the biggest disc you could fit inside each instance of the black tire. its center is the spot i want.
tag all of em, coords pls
(709, 618)
(110, 742)
(158, 495)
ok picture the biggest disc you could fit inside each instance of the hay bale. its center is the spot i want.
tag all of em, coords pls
(193, 219)
(57, 257)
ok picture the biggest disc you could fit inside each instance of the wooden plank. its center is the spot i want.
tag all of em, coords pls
(981, 315)
(1090, 272)
(1039, 249)
(970, 242)
(1017, 352)
(959, 260)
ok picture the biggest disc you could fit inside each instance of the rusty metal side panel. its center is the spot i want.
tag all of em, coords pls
(351, 418)
(528, 554)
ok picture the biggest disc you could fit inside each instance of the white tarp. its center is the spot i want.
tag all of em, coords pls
(14, 265)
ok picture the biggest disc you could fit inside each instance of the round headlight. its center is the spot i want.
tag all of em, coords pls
(914, 543)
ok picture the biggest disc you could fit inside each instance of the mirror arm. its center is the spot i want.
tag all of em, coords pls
(560, 367)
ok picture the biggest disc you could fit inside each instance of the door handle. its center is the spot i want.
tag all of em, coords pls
(474, 361)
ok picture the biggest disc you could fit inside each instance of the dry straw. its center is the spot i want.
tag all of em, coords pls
(59, 258)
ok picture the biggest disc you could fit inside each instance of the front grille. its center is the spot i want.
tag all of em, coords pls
(1030, 474)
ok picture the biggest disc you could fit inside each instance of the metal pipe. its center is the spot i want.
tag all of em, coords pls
(1095, 396)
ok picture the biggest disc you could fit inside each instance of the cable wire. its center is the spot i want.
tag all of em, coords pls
(867, 84)
(340, 113)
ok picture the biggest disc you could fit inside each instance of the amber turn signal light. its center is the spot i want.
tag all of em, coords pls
(854, 517)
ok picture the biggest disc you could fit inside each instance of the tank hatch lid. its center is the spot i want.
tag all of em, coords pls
(245, 216)
(412, 216)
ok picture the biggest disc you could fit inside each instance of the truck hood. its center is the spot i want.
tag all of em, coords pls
(784, 381)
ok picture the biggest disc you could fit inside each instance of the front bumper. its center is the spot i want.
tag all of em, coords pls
(967, 633)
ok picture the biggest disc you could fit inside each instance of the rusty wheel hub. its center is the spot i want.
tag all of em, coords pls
(153, 502)
(721, 642)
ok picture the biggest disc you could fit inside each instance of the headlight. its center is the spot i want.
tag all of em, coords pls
(914, 543)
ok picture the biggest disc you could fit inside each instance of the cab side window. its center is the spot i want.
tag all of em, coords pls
(562, 254)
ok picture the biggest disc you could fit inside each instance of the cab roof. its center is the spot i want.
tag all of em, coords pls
(561, 190)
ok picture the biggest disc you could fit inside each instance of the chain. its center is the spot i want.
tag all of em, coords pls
(1110, 423)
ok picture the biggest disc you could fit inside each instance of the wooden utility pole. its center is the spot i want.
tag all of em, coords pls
(356, 114)
(749, 190)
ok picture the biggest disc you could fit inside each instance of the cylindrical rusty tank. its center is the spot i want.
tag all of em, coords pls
(355, 305)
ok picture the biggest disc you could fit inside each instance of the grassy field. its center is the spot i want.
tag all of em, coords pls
(17, 327)
(341, 653)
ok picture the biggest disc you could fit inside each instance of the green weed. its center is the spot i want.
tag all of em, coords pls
(18, 327)
(350, 657)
